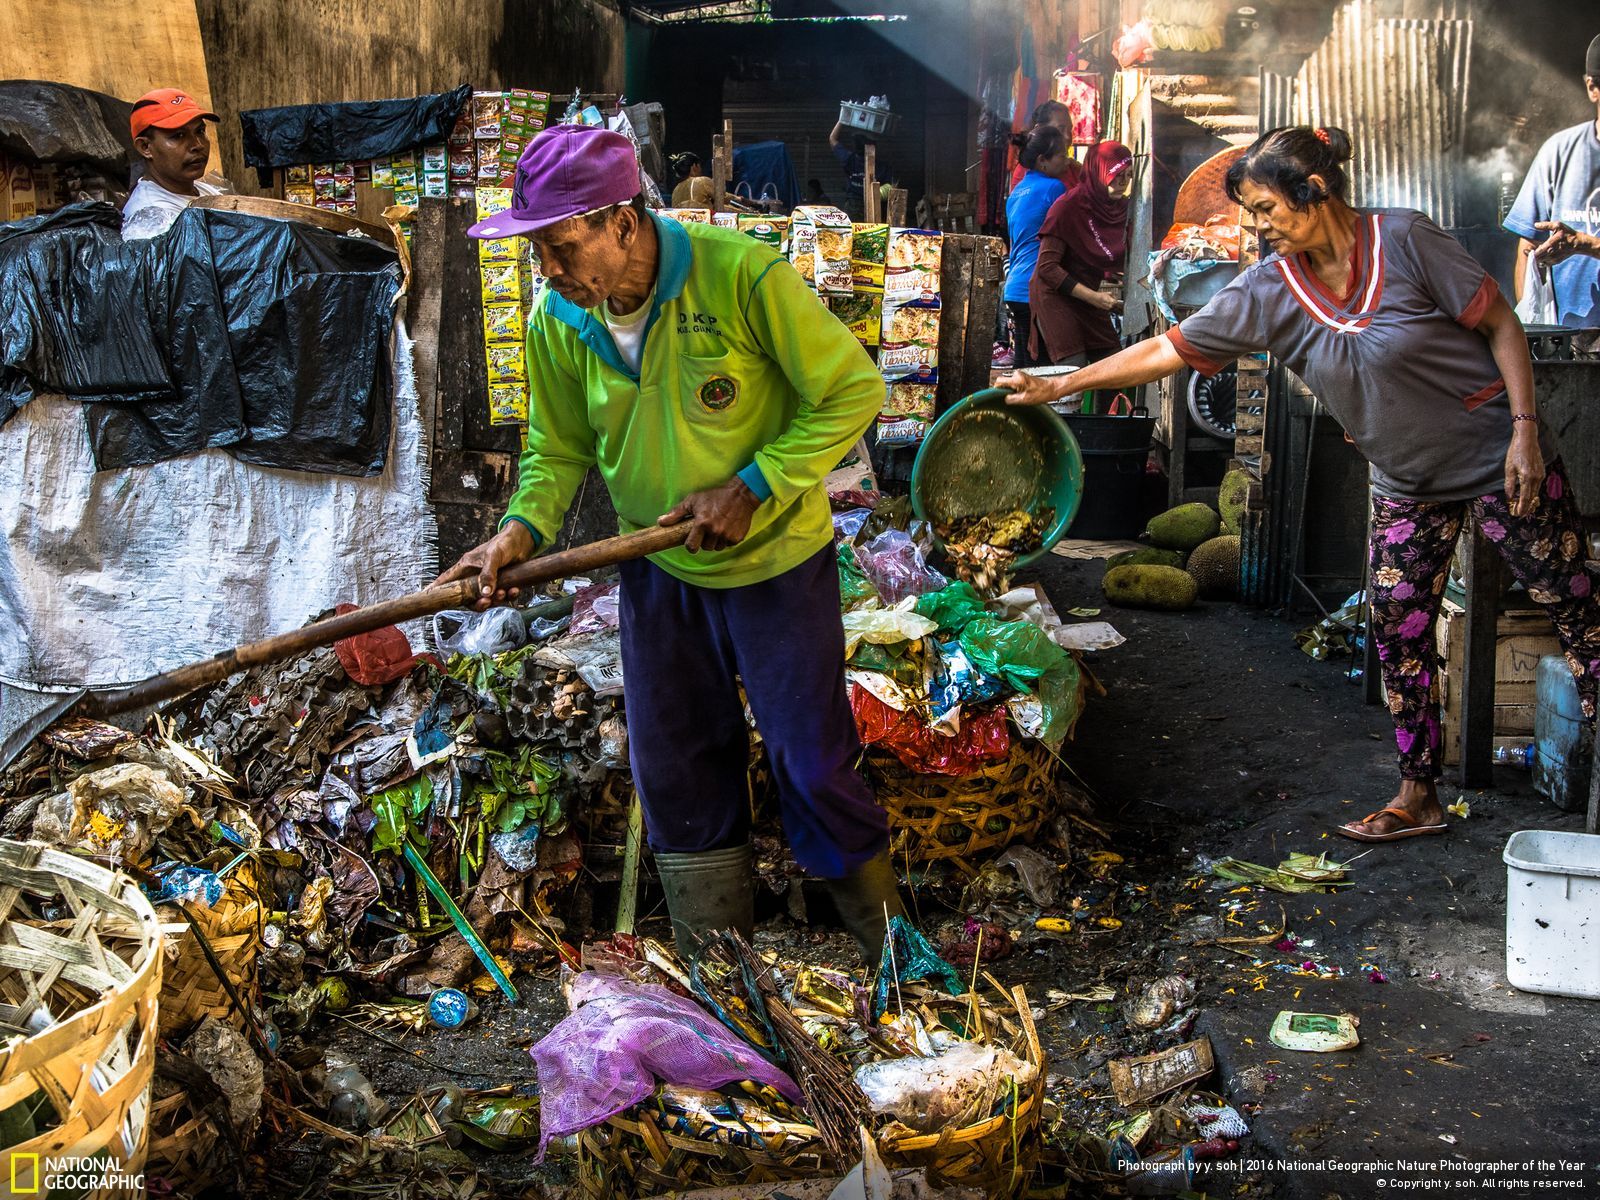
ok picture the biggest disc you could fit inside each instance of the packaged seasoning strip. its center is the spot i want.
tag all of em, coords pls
(502, 281)
(298, 174)
(910, 346)
(912, 265)
(383, 173)
(435, 184)
(463, 166)
(434, 158)
(910, 400)
(344, 170)
(862, 315)
(503, 323)
(508, 404)
(300, 193)
(773, 231)
(499, 250)
(867, 257)
(830, 245)
(507, 362)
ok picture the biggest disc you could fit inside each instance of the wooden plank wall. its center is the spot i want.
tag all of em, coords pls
(263, 53)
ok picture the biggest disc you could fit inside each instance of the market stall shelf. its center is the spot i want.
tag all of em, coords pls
(81, 953)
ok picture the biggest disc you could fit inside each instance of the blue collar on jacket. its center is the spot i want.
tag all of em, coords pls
(672, 272)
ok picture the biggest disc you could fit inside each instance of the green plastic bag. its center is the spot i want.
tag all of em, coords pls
(854, 587)
(953, 607)
(1061, 698)
(1017, 651)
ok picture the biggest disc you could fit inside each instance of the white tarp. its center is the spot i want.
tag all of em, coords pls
(109, 577)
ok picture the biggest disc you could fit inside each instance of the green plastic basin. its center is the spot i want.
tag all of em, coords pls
(985, 456)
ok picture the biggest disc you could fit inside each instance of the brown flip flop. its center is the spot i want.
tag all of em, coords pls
(1409, 828)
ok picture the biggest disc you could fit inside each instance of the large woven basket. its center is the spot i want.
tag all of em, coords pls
(631, 1156)
(80, 969)
(934, 818)
(190, 989)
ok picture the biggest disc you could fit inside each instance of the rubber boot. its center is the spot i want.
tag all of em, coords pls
(708, 891)
(866, 899)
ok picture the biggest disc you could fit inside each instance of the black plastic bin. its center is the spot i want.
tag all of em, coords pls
(1115, 450)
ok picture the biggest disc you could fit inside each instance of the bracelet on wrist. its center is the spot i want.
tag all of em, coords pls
(1515, 417)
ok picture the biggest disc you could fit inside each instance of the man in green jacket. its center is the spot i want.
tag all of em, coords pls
(694, 368)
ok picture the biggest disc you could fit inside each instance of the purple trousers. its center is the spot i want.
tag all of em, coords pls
(685, 649)
(1412, 542)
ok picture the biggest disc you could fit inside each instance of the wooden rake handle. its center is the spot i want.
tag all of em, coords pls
(460, 594)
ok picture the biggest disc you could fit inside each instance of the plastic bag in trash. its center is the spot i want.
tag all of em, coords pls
(983, 738)
(492, 632)
(954, 681)
(897, 567)
(884, 626)
(117, 811)
(847, 524)
(1016, 651)
(518, 849)
(376, 657)
(622, 1037)
(855, 589)
(222, 1053)
(953, 607)
(596, 608)
(944, 1091)
(1040, 877)
(907, 955)
(191, 884)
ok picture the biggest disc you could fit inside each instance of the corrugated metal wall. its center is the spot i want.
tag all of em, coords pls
(1399, 88)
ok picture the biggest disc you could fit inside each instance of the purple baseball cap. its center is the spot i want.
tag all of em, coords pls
(566, 171)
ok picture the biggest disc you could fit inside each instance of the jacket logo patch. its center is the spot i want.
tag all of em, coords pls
(718, 393)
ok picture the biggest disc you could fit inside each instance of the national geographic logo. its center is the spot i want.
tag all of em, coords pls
(34, 1175)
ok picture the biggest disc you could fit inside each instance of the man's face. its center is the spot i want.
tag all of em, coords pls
(1593, 86)
(584, 261)
(176, 155)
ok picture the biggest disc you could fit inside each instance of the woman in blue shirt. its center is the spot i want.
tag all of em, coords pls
(1047, 159)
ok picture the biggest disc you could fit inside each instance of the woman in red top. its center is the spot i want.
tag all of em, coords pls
(1083, 242)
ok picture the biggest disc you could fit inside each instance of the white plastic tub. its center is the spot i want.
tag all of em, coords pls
(1553, 912)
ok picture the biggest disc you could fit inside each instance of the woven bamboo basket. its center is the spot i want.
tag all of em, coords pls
(631, 1156)
(80, 966)
(190, 989)
(934, 818)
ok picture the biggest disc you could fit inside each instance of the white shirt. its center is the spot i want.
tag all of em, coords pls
(151, 209)
(627, 331)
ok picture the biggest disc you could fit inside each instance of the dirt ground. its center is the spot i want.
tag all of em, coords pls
(1216, 737)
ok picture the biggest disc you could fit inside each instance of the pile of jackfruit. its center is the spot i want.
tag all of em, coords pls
(1193, 552)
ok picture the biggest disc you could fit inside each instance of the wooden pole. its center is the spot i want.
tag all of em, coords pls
(633, 851)
(897, 208)
(719, 175)
(461, 594)
(870, 199)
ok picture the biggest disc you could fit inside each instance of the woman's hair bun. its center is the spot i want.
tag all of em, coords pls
(1339, 144)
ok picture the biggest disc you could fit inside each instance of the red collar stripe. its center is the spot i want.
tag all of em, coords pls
(1370, 290)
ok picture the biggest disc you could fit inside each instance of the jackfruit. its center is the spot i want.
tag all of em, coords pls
(1150, 587)
(1215, 566)
(1184, 527)
(1149, 557)
(1230, 500)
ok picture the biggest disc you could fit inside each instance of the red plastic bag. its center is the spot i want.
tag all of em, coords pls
(984, 738)
(375, 658)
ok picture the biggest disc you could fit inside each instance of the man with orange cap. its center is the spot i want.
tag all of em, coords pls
(169, 133)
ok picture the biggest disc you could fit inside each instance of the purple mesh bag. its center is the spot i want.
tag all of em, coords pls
(607, 1054)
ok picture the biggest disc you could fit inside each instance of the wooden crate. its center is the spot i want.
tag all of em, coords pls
(1522, 638)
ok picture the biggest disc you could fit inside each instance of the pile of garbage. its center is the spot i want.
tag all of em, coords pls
(938, 673)
(786, 1063)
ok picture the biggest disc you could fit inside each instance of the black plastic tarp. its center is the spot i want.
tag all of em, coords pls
(57, 123)
(269, 338)
(355, 131)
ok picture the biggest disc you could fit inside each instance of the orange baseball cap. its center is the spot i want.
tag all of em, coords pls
(165, 108)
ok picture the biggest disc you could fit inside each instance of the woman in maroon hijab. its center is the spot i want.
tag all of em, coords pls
(1082, 242)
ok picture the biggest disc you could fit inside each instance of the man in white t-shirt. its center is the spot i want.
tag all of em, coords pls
(169, 133)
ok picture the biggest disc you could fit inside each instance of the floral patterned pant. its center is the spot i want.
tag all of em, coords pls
(1412, 543)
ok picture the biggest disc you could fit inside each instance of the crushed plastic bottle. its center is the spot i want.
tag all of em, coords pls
(1515, 756)
(221, 1052)
(352, 1102)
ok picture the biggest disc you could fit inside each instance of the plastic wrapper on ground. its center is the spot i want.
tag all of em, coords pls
(897, 567)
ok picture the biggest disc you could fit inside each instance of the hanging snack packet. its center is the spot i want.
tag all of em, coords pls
(503, 323)
(506, 362)
(912, 266)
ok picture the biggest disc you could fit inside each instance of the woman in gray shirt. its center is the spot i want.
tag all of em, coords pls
(1409, 343)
